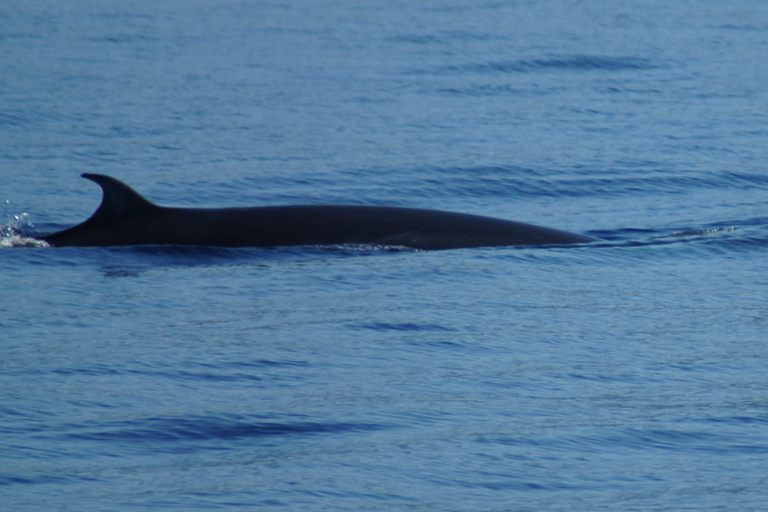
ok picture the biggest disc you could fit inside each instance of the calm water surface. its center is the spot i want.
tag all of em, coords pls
(629, 374)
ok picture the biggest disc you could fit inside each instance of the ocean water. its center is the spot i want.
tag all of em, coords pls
(628, 374)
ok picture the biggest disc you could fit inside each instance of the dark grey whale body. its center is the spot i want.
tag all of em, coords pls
(126, 218)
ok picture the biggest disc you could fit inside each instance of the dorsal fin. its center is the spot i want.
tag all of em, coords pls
(121, 208)
(119, 201)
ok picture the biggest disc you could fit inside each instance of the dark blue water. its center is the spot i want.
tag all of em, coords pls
(629, 374)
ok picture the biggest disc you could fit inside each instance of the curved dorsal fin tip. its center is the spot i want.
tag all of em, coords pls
(96, 178)
(118, 199)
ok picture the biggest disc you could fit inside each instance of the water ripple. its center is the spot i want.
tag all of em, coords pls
(564, 63)
(196, 428)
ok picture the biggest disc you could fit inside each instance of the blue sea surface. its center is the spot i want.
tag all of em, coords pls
(629, 374)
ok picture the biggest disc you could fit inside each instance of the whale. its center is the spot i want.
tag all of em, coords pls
(125, 217)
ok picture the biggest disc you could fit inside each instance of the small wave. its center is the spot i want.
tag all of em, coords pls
(621, 246)
(39, 479)
(196, 428)
(638, 439)
(523, 182)
(736, 237)
(489, 90)
(704, 231)
(441, 37)
(408, 186)
(567, 63)
(413, 327)
(10, 119)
